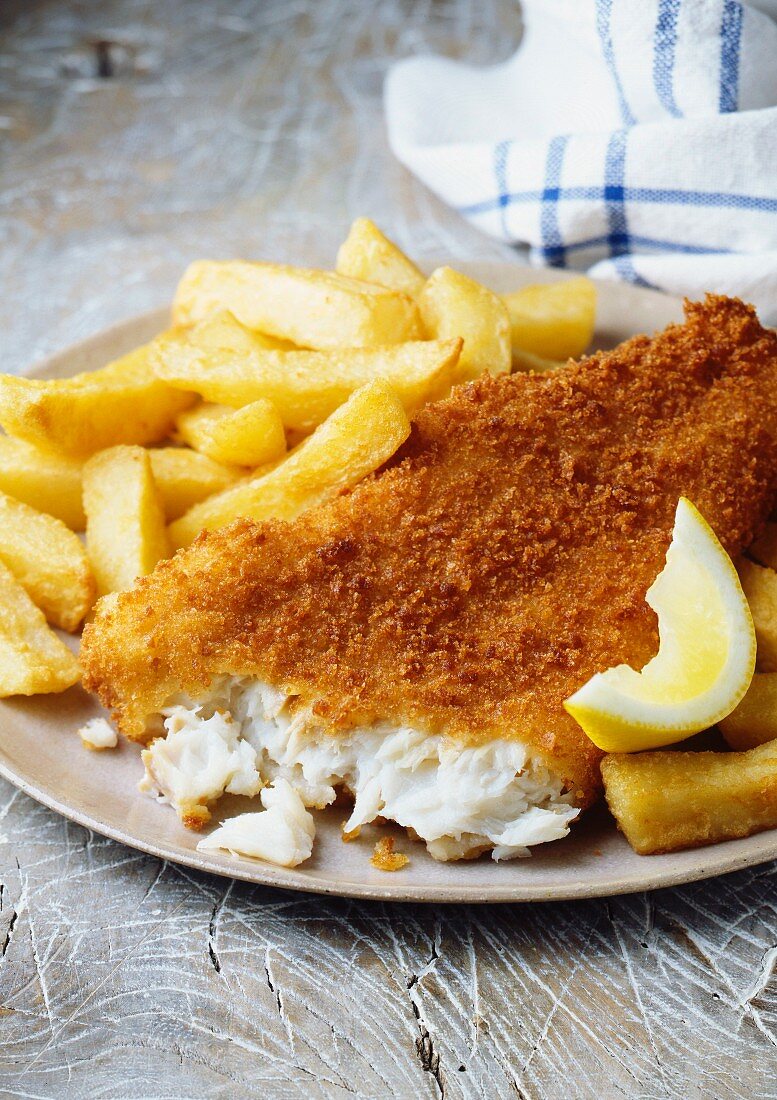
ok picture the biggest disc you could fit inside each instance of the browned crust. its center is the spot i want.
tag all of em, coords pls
(498, 561)
(384, 858)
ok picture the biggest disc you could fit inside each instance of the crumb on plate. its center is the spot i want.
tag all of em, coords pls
(385, 858)
(98, 734)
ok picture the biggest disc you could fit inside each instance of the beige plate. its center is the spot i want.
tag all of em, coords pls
(41, 754)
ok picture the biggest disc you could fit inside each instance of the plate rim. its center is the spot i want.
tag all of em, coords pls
(720, 859)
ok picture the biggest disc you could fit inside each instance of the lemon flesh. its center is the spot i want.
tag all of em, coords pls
(706, 655)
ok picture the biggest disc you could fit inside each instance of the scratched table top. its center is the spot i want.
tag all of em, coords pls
(134, 137)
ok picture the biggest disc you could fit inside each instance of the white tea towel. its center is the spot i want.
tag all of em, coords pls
(636, 138)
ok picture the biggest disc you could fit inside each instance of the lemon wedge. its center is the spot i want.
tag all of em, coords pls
(706, 655)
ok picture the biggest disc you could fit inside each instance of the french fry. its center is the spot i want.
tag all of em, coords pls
(528, 361)
(223, 330)
(307, 386)
(123, 403)
(125, 525)
(760, 588)
(48, 561)
(367, 254)
(47, 481)
(314, 309)
(360, 436)
(754, 721)
(250, 436)
(33, 660)
(184, 477)
(764, 549)
(453, 305)
(664, 801)
(553, 320)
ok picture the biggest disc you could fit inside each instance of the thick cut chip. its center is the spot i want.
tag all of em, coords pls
(250, 436)
(367, 254)
(356, 439)
(33, 660)
(315, 309)
(307, 386)
(47, 481)
(664, 801)
(760, 588)
(125, 525)
(554, 320)
(123, 403)
(223, 330)
(755, 719)
(184, 477)
(528, 361)
(454, 305)
(48, 561)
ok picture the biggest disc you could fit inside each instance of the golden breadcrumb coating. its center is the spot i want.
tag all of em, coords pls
(497, 562)
(384, 858)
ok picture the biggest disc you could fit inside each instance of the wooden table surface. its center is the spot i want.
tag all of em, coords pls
(135, 136)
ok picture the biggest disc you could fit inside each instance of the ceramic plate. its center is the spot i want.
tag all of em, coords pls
(41, 753)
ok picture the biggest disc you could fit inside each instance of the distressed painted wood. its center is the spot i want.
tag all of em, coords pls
(133, 137)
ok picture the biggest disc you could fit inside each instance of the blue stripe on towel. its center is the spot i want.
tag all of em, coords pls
(552, 249)
(619, 240)
(614, 194)
(604, 30)
(759, 203)
(500, 174)
(650, 244)
(721, 199)
(730, 35)
(664, 42)
(624, 265)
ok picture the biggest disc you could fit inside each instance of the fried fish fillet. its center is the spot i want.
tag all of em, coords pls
(494, 565)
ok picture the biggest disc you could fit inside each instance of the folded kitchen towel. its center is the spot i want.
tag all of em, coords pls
(635, 138)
